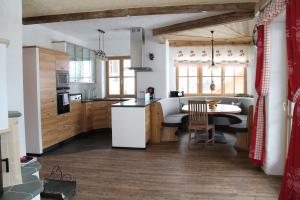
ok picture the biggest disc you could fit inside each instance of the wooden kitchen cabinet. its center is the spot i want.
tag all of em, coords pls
(43, 125)
(99, 114)
(47, 79)
(61, 61)
(87, 122)
(76, 117)
(109, 103)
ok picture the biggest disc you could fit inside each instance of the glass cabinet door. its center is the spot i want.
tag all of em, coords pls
(72, 62)
(82, 64)
(93, 66)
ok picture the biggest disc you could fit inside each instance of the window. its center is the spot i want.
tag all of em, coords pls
(195, 79)
(120, 80)
(187, 79)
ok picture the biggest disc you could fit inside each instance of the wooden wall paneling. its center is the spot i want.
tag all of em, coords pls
(148, 123)
(156, 122)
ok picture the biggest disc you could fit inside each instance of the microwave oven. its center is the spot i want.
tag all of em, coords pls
(62, 79)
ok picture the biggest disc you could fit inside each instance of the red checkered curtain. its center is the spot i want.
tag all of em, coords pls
(257, 151)
(257, 147)
(290, 187)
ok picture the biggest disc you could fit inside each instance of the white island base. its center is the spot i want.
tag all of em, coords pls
(129, 127)
(131, 123)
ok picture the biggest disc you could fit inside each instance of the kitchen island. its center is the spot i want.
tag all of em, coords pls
(131, 123)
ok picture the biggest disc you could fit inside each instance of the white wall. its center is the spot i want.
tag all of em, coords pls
(275, 138)
(157, 78)
(42, 36)
(11, 29)
(3, 87)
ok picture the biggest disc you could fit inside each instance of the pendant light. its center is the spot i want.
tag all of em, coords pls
(212, 85)
(100, 53)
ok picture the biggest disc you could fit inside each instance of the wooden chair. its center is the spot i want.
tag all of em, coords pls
(198, 120)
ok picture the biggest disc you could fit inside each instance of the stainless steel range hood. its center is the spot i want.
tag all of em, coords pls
(137, 43)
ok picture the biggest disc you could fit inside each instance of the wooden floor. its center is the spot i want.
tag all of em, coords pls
(164, 171)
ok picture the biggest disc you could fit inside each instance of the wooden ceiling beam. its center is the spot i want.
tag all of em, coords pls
(205, 22)
(232, 7)
(185, 43)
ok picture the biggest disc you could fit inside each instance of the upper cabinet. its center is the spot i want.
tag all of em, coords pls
(82, 64)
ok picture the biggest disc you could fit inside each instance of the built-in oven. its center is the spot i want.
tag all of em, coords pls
(62, 79)
(63, 100)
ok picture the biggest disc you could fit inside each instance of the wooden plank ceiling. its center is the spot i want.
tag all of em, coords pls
(232, 33)
(234, 26)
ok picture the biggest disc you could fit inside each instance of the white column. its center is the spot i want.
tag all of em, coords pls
(275, 138)
(3, 87)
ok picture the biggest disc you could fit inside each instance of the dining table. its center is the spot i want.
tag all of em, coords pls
(219, 109)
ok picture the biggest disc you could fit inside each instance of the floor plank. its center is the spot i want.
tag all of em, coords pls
(164, 171)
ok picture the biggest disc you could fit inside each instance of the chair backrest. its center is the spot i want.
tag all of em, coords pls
(198, 113)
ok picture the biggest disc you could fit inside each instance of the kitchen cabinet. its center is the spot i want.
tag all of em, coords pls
(109, 103)
(87, 123)
(61, 61)
(44, 127)
(76, 117)
(99, 114)
(82, 64)
(47, 90)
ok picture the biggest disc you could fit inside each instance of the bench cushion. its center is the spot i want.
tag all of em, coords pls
(240, 127)
(174, 120)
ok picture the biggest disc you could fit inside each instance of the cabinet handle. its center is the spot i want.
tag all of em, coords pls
(6, 164)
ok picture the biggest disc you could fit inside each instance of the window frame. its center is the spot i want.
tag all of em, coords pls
(121, 77)
(200, 80)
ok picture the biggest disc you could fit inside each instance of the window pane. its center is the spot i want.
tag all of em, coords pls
(129, 86)
(114, 68)
(206, 71)
(216, 71)
(239, 71)
(193, 85)
(182, 86)
(182, 71)
(229, 71)
(206, 81)
(127, 65)
(193, 70)
(218, 84)
(229, 85)
(239, 85)
(114, 86)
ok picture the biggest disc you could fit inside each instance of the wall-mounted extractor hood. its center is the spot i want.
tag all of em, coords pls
(137, 42)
